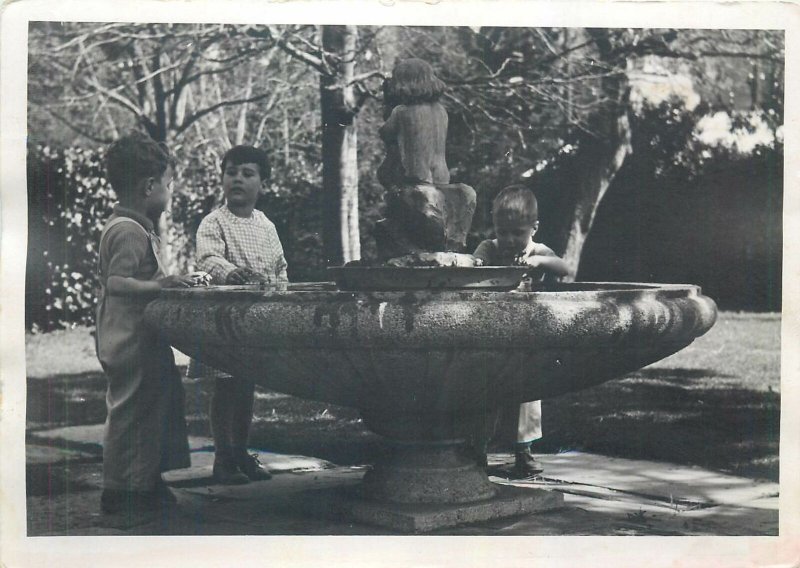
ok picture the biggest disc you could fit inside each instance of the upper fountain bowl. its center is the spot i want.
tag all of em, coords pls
(401, 356)
(388, 278)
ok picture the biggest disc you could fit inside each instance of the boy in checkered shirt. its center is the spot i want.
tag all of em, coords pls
(237, 244)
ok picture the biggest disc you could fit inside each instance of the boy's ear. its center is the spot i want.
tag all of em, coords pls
(147, 186)
(536, 226)
(263, 189)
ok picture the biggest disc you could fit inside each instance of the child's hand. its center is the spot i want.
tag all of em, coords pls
(244, 276)
(200, 278)
(238, 276)
(176, 281)
(534, 261)
(257, 277)
(549, 265)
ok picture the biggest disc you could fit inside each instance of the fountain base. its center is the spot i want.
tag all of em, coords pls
(508, 501)
(427, 472)
(423, 486)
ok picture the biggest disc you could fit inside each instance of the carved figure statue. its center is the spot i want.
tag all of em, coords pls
(424, 211)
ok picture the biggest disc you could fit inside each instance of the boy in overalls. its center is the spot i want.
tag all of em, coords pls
(145, 430)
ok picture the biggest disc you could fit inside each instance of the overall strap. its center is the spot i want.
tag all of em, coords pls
(117, 221)
(150, 238)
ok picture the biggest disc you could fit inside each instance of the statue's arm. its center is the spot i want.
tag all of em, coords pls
(390, 129)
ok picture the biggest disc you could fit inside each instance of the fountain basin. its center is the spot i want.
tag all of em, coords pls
(420, 352)
(424, 367)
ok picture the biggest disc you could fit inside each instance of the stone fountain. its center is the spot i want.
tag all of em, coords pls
(423, 366)
(425, 352)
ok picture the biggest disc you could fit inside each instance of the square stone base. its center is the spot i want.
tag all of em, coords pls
(415, 518)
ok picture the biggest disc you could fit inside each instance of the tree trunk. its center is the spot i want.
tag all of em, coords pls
(596, 164)
(163, 227)
(341, 238)
(573, 191)
(241, 125)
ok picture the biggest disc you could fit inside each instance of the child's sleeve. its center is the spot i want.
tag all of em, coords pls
(211, 251)
(280, 263)
(280, 269)
(127, 249)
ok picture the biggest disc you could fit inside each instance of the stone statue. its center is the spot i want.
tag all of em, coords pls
(424, 211)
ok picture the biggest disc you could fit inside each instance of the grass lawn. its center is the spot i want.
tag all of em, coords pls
(715, 404)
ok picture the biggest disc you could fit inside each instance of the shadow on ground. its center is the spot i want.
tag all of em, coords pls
(670, 415)
(686, 416)
(681, 415)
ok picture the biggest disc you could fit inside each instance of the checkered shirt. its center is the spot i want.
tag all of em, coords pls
(226, 242)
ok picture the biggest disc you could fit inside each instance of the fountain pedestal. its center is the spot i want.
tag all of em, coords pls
(432, 472)
(423, 366)
(421, 487)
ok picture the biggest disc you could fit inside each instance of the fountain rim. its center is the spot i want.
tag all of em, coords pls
(309, 291)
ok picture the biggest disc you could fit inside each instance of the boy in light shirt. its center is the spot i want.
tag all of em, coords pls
(237, 244)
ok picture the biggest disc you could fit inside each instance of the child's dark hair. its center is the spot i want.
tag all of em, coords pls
(248, 155)
(135, 157)
(516, 204)
(414, 81)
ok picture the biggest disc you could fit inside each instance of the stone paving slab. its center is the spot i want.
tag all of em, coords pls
(598, 510)
(602, 496)
(280, 506)
(203, 461)
(647, 478)
(660, 479)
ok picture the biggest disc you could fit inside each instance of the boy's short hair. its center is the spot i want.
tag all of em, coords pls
(248, 155)
(135, 157)
(414, 81)
(517, 204)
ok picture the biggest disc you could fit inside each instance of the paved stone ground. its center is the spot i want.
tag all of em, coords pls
(603, 496)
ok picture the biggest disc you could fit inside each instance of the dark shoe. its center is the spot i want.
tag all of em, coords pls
(113, 501)
(525, 465)
(250, 466)
(226, 473)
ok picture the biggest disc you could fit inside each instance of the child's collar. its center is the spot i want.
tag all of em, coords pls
(529, 248)
(137, 216)
(232, 214)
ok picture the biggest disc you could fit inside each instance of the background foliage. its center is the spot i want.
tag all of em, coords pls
(522, 102)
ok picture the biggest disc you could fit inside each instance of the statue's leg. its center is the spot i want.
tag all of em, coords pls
(418, 212)
(424, 217)
(432, 222)
(459, 207)
(391, 241)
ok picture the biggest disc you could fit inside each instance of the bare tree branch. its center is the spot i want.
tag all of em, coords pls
(76, 128)
(232, 102)
(275, 35)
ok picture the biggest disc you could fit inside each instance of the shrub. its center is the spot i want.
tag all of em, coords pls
(68, 202)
